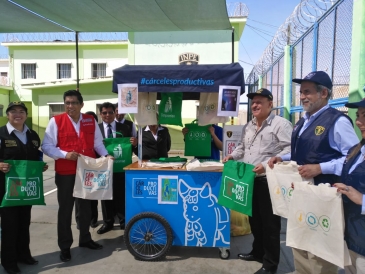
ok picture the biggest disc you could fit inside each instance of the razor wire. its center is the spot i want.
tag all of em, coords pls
(302, 18)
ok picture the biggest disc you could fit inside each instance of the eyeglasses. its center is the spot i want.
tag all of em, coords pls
(107, 112)
(73, 103)
(13, 112)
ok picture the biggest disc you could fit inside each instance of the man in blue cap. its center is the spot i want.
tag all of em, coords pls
(319, 144)
(265, 135)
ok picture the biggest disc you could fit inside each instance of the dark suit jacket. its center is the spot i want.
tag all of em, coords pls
(121, 128)
(152, 149)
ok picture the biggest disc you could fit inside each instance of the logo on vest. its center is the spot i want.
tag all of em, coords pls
(35, 143)
(319, 130)
(229, 134)
(118, 152)
(10, 143)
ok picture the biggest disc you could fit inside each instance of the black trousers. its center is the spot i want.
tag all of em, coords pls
(94, 211)
(65, 186)
(15, 222)
(110, 208)
(265, 226)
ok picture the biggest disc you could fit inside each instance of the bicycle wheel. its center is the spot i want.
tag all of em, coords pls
(148, 236)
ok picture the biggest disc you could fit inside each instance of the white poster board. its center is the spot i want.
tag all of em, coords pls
(228, 100)
(128, 98)
(231, 138)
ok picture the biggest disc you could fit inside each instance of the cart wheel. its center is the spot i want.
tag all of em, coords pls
(148, 236)
(224, 254)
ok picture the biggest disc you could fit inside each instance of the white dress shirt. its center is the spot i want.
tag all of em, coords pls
(49, 145)
(114, 129)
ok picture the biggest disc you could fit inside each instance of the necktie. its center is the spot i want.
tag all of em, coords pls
(110, 132)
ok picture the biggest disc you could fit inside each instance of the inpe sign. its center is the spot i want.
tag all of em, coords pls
(188, 58)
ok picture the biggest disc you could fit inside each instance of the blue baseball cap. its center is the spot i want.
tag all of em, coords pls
(360, 104)
(261, 92)
(318, 77)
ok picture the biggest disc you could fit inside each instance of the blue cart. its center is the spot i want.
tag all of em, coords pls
(168, 207)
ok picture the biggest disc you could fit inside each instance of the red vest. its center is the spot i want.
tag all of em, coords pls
(69, 141)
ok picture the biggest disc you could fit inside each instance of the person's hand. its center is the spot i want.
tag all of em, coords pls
(259, 169)
(184, 131)
(309, 171)
(72, 156)
(110, 157)
(45, 167)
(350, 192)
(134, 141)
(227, 158)
(211, 130)
(4, 167)
(273, 161)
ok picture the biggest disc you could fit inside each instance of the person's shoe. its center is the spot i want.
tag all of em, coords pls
(265, 271)
(249, 257)
(94, 225)
(122, 225)
(65, 255)
(12, 270)
(105, 228)
(91, 245)
(29, 261)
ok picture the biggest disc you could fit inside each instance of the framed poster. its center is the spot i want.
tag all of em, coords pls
(228, 100)
(128, 98)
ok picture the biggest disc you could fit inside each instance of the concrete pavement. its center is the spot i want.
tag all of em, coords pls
(115, 258)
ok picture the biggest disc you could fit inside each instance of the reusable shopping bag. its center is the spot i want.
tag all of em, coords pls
(146, 109)
(198, 140)
(170, 108)
(239, 224)
(279, 181)
(94, 178)
(24, 183)
(121, 149)
(208, 109)
(316, 223)
(237, 186)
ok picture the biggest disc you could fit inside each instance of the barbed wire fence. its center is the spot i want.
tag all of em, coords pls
(318, 32)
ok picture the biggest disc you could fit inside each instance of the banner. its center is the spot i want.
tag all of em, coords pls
(237, 186)
(231, 138)
(128, 98)
(24, 183)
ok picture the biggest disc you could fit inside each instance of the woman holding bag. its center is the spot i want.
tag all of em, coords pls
(353, 190)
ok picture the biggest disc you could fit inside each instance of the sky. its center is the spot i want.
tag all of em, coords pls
(264, 15)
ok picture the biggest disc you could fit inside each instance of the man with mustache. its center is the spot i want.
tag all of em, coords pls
(265, 135)
(320, 142)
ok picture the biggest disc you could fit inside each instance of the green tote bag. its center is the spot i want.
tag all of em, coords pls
(24, 183)
(198, 140)
(237, 187)
(121, 149)
(170, 108)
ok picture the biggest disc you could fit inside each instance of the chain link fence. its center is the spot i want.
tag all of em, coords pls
(325, 46)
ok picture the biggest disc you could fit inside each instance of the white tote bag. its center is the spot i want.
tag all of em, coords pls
(279, 181)
(146, 109)
(316, 224)
(94, 178)
(208, 109)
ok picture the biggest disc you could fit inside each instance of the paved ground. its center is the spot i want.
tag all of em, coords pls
(115, 258)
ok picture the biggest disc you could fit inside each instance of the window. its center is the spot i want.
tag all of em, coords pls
(55, 109)
(28, 71)
(63, 71)
(4, 74)
(98, 70)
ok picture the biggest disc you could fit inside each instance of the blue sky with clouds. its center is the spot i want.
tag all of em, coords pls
(265, 16)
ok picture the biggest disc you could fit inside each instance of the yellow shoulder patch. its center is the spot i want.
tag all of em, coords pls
(319, 130)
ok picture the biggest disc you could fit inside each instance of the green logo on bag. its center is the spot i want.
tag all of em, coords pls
(118, 152)
(325, 223)
(235, 190)
(20, 188)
